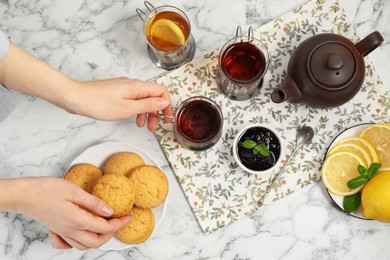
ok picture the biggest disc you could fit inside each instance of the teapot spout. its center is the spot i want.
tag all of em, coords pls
(287, 91)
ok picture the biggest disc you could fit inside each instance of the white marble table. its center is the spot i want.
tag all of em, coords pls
(99, 39)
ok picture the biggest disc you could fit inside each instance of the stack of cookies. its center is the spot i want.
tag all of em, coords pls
(129, 186)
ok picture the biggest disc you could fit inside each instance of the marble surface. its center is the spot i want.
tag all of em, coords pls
(99, 39)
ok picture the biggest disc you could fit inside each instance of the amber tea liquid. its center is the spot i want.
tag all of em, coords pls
(158, 38)
(243, 62)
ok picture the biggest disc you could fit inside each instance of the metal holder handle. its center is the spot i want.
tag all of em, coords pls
(174, 110)
(251, 34)
(238, 31)
(141, 13)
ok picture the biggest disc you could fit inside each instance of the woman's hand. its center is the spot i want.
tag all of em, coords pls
(110, 99)
(121, 98)
(73, 217)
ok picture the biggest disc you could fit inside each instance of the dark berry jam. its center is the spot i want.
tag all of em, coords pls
(258, 162)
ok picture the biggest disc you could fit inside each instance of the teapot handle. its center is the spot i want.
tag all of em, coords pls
(370, 43)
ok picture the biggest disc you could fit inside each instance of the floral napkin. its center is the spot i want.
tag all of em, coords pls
(220, 192)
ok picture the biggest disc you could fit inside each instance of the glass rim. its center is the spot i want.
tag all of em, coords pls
(263, 49)
(250, 39)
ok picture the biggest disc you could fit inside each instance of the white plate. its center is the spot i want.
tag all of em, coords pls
(338, 200)
(97, 155)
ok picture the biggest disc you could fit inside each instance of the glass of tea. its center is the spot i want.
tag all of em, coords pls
(242, 64)
(197, 123)
(168, 33)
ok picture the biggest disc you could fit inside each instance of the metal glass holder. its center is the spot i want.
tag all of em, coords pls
(161, 59)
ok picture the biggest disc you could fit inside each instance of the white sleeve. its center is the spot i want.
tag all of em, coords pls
(4, 44)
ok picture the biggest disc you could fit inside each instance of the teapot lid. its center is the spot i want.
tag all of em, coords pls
(332, 64)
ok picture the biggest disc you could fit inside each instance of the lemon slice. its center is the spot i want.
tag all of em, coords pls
(362, 143)
(353, 148)
(339, 168)
(168, 31)
(379, 136)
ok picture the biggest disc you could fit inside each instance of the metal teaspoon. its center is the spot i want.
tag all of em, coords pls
(304, 135)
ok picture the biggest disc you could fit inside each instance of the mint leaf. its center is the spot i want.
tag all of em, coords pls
(262, 149)
(373, 169)
(352, 202)
(365, 175)
(257, 148)
(249, 144)
(362, 170)
(357, 182)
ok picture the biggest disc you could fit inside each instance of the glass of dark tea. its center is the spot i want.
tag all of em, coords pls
(168, 33)
(198, 123)
(242, 64)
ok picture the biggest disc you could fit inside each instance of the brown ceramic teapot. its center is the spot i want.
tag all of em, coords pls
(326, 70)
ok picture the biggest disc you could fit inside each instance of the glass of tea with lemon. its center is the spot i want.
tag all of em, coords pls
(168, 33)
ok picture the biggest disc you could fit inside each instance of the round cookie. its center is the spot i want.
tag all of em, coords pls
(116, 190)
(122, 163)
(83, 175)
(139, 229)
(150, 185)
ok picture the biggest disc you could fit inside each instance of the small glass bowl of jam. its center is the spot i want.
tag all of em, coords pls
(257, 149)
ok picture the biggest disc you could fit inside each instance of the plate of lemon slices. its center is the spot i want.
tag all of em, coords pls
(349, 157)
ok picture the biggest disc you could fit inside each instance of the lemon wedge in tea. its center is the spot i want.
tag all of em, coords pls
(166, 35)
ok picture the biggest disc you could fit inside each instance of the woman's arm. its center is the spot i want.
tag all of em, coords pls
(24, 73)
(110, 99)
